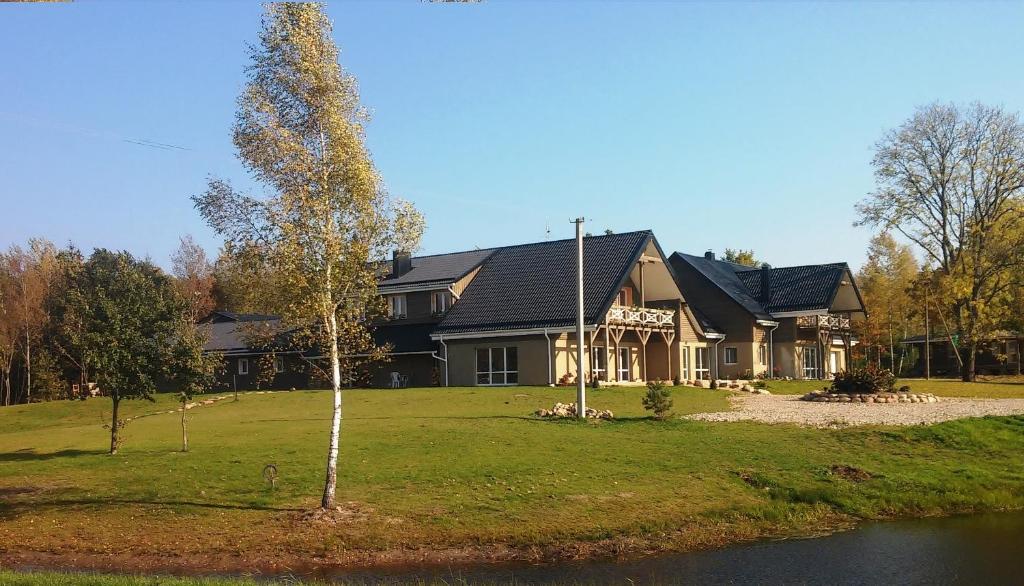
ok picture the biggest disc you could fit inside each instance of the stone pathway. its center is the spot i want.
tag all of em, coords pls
(204, 402)
(790, 409)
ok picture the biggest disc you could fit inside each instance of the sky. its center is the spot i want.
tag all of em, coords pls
(726, 124)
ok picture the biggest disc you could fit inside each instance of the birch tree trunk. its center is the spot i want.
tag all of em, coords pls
(332, 452)
(28, 367)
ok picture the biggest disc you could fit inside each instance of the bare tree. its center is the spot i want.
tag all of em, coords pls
(193, 277)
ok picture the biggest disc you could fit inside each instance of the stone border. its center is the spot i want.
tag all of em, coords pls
(828, 397)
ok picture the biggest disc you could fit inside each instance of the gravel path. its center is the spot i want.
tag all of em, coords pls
(790, 409)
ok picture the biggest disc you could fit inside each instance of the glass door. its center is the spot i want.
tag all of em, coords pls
(623, 363)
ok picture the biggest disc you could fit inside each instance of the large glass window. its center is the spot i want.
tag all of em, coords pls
(497, 366)
(812, 364)
(731, 355)
(702, 365)
(397, 306)
(762, 354)
(623, 362)
(599, 362)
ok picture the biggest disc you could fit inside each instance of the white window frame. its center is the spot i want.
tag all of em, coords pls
(491, 373)
(398, 306)
(278, 364)
(598, 354)
(735, 355)
(243, 366)
(702, 363)
(812, 370)
(440, 301)
(624, 372)
(762, 354)
(685, 364)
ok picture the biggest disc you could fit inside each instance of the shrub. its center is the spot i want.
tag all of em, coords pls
(863, 380)
(658, 399)
(565, 380)
(760, 384)
(713, 385)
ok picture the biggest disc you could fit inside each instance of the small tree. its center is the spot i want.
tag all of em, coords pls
(131, 326)
(658, 399)
(190, 368)
(742, 257)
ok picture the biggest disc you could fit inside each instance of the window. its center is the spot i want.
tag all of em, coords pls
(701, 368)
(623, 365)
(731, 355)
(440, 301)
(279, 364)
(396, 306)
(243, 366)
(685, 363)
(598, 362)
(497, 366)
(625, 297)
(762, 354)
(812, 366)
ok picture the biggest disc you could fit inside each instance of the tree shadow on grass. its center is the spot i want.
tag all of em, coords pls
(30, 455)
(9, 511)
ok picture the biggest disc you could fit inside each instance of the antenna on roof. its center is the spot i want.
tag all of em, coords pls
(547, 231)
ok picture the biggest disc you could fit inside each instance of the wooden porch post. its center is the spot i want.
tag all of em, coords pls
(607, 357)
(644, 336)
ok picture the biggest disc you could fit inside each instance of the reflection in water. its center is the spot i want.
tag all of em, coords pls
(983, 549)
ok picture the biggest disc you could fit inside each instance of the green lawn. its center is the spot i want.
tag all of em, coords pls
(993, 388)
(466, 468)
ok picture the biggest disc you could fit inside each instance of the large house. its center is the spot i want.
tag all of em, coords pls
(999, 354)
(506, 316)
(783, 321)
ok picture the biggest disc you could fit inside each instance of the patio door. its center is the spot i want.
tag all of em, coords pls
(622, 364)
(812, 368)
(598, 358)
(833, 362)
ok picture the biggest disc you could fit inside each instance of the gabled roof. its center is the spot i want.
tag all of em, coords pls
(534, 285)
(796, 288)
(437, 268)
(723, 275)
(227, 331)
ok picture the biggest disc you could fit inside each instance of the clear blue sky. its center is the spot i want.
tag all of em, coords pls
(720, 124)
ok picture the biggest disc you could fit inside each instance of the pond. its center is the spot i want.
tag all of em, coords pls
(980, 549)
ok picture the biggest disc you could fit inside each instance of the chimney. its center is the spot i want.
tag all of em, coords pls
(401, 263)
(766, 283)
(710, 255)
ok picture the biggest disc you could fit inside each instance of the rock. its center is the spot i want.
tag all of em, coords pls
(763, 392)
(747, 389)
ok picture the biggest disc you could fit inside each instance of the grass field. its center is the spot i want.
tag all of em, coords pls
(993, 388)
(467, 471)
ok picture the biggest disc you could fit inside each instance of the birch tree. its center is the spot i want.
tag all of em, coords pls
(325, 218)
(951, 180)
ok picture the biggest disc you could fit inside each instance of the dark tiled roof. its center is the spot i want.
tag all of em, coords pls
(405, 337)
(220, 316)
(230, 335)
(441, 268)
(723, 275)
(534, 285)
(796, 288)
(704, 322)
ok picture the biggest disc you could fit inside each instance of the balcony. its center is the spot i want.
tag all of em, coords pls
(825, 321)
(641, 316)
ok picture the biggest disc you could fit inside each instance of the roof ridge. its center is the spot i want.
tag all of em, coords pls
(501, 247)
(746, 268)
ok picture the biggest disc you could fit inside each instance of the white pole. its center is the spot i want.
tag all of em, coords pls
(581, 384)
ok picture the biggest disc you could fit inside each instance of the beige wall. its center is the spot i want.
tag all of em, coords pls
(532, 352)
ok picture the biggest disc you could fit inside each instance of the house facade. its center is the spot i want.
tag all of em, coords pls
(245, 365)
(998, 355)
(786, 322)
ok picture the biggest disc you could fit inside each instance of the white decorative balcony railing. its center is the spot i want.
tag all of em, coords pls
(826, 321)
(641, 316)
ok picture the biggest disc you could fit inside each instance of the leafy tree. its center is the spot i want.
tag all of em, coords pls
(194, 277)
(326, 218)
(191, 370)
(29, 273)
(884, 281)
(951, 180)
(742, 257)
(132, 325)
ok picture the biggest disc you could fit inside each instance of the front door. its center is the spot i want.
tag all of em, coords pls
(623, 365)
(833, 362)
